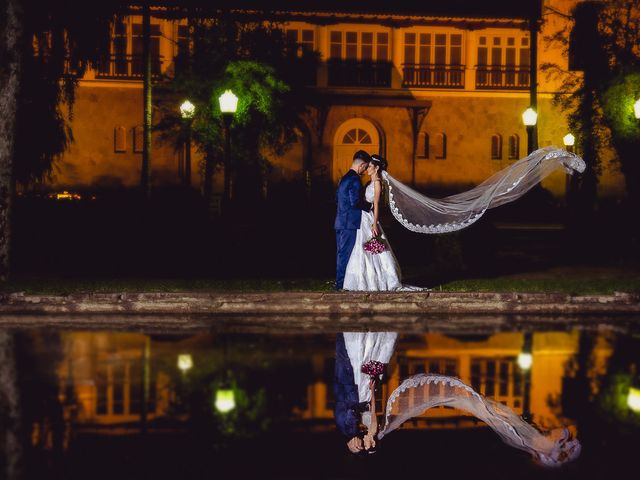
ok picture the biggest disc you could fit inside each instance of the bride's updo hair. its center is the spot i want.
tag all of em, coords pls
(378, 161)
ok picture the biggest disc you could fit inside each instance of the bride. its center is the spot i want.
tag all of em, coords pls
(361, 359)
(372, 265)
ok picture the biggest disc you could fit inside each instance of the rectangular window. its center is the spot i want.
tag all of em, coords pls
(137, 48)
(440, 56)
(382, 46)
(303, 38)
(102, 390)
(425, 48)
(308, 40)
(292, 36)
(455, 50)
(138, 141)
(351, 47)
(120, 139)
(120, 48)
(183, 40)
(366, 52)
(410, 48)
(335, 49)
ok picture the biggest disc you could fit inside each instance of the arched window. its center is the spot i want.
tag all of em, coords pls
(120, 139)
(441, 146)
(496, 146)
(423, 145)
(356, 135)
(514, 147)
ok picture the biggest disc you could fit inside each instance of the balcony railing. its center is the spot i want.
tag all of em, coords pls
(432, 76)
(127, 67)
(359, 74)
(500, 77)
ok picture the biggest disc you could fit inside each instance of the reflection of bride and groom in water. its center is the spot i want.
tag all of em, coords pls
(361, 358)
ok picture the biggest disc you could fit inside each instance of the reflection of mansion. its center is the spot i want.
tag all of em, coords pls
(441, 96)
(102, 375)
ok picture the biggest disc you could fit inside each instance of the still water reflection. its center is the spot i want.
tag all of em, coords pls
(132, 405)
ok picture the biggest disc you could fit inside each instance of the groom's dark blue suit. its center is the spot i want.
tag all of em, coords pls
(348, 216)
(347, 408)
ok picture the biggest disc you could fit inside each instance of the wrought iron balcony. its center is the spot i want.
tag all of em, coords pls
(432, 76)
(346, 73)
(127, 67)
(502, 78)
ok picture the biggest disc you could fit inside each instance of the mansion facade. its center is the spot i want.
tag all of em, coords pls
(441, 97)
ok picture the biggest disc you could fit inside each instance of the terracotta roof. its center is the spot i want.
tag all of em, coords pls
(429, 8)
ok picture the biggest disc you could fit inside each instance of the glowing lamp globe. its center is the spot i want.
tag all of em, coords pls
(529, 117)
(569, 140)
(525, 360)
(633, 399)
(228, 102)
(187, 110)
(185, 362)
(636, 108)
(225, 400)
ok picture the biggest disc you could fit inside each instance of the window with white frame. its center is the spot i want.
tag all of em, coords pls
(363, 46)
(510, 52)
(304, 37)
(433, 48)
(119, 388)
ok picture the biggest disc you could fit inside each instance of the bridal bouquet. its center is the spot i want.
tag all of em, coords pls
(375, 245)
(373, 368)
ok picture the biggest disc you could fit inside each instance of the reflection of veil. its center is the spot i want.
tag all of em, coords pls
(422, 214)
(421, 392)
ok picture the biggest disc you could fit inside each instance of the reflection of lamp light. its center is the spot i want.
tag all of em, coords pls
(636, 108)
(525, 360)
(187, 109)
(569, 140)
(225, 400)
(529, 117)
(633, 399)
(228, 102)
(185, 362)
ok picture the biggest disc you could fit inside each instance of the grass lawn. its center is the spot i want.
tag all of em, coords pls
(571, 280)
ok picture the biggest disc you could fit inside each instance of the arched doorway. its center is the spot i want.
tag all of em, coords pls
(353, 135)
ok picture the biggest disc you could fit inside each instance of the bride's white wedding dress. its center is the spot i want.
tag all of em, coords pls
(422, 214)
(367, 271)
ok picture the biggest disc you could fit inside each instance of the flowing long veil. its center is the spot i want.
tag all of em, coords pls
(421, 392)
(422, 214)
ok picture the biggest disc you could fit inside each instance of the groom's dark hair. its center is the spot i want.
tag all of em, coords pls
(362, 155)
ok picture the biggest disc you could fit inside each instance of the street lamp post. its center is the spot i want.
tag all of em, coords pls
(187, 110)
(525, 362)
(569, 141)
(530, 118)
(228, 106)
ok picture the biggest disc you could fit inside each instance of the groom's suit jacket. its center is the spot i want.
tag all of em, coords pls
(350, 202)
(347, 408)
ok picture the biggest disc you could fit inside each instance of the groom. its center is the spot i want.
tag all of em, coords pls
(349, 212)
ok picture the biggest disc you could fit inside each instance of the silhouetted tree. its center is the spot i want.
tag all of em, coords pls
(265, 71)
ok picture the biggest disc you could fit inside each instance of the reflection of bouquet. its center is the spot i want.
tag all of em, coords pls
(375, 245)
(373, 368)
